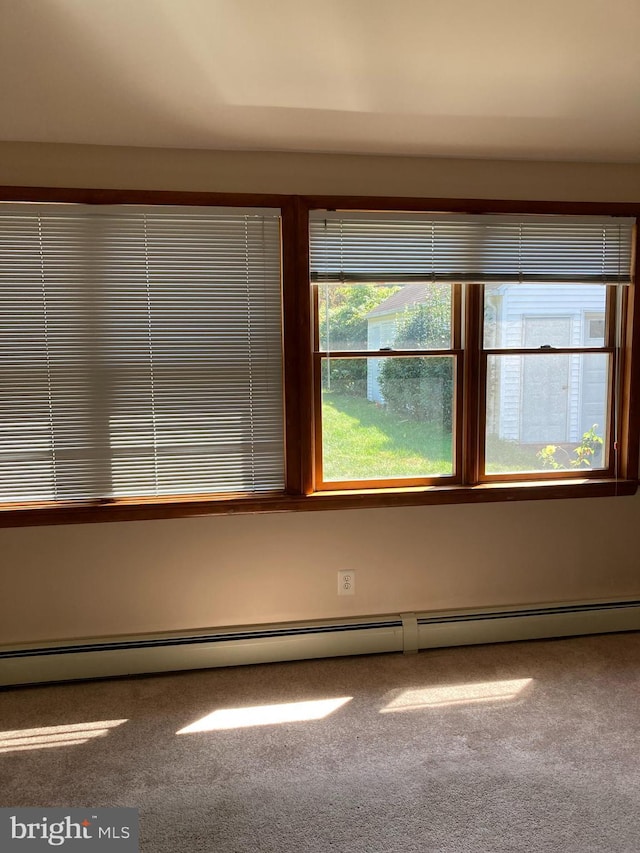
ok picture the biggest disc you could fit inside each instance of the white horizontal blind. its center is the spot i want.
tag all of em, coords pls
(368, 247)
(140, 352)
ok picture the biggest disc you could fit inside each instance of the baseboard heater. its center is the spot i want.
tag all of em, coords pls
(407, 632)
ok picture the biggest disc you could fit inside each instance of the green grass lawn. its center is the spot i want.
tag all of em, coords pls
(363, 441)
(507, 457)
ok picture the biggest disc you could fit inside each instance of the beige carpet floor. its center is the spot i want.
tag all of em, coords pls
(514, 747)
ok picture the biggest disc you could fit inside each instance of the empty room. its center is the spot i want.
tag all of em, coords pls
(319, 426)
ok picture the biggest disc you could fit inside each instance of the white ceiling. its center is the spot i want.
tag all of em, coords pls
(535, 79)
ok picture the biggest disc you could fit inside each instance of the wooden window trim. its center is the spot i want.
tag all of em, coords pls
(299, 494)
(39, 515)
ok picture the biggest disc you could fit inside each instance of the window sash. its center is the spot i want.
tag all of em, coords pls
(521, 435)
(398, 481)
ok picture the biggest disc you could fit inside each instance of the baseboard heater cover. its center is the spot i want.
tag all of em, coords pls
(33, 664)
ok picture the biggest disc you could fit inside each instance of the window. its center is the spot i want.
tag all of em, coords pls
(175, 354)
(526, 389)
(140, 352)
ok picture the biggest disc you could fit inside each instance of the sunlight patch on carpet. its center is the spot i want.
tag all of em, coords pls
(456, 694)
(265, 715)
(48, 737)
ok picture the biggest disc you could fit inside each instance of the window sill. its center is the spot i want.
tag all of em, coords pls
(148, 509)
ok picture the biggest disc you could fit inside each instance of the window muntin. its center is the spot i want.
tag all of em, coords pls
(141, 354)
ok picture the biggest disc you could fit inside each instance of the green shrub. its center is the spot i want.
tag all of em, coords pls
(422, 388)
(586, 453)
(345, 376)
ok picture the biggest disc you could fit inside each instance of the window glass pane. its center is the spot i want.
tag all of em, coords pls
(546, 412)
(377, 316)
(537, 315)
(387, 417)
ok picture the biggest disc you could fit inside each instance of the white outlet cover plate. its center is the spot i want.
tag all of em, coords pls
(346, 582)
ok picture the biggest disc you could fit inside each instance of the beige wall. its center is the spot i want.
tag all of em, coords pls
(232, 171)
(93, 580)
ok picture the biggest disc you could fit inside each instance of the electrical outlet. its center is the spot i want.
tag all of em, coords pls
(346, 582)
